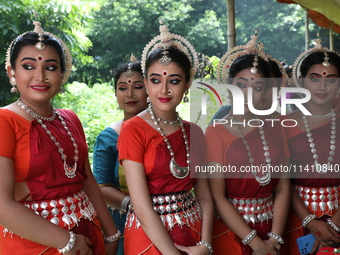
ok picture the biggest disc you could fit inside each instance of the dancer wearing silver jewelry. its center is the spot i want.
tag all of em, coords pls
(251, 205)
(131, 97)
(50, 200)
(158, 156)
(314, 146)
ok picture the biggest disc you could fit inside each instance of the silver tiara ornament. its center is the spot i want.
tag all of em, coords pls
(252, 47)
(297, 64)
(129, 72)
(41, 46)
(167, 40)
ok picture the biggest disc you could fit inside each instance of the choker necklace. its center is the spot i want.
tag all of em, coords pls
(176, 170)
(321, 117)
(173, 123)
(320, 168)
(264, 180)
(70, 172)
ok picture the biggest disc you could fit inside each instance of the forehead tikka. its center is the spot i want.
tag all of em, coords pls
(326, 58)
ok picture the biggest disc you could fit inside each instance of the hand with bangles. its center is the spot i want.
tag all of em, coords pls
(325, 235)
(81, 246)
(193, 250)
(265, 247)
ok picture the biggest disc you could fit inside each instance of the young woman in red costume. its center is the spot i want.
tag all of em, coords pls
(50, 202)
(157, 150)
(252, 206)
(314, 144)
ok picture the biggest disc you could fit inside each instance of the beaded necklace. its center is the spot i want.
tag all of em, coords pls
(70, 172)
(176, 170)
(319, 167)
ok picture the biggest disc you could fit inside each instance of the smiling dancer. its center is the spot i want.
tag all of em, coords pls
(157, 153)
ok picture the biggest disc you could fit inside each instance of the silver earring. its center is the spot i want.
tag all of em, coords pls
(47, 79)
(186, 98)
(148, 101)
(169, 92)
(13, 82)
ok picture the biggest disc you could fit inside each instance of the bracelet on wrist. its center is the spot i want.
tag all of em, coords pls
(275, 236)
(308, 219)
(249, 237)
(332, 224)
(124, 204)
(68, 247)
(206, 244)
(113, 238)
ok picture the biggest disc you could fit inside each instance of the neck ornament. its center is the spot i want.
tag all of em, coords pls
(70, 172)
(265, 179)
(321, 117)
(176, 170)
(321, 168)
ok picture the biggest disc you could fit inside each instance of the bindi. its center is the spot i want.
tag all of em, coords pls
(324, 72)
(252, 78)
(40, 58)
(129, 81)
(165, 72)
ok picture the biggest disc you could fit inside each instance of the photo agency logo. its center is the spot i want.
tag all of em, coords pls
(238, 105)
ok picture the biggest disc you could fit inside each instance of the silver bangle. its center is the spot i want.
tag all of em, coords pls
(308, 219)
(275, 236)
(68, 247)
(113, 238)
(332, 224)
(206, 244)
(124, 204)
(249, 237)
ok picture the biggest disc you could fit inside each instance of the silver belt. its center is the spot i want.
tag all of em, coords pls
(319, 199)
(177, 208)
(255, 209)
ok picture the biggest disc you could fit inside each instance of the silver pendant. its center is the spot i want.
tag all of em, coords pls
(70, 172)
(178, 171)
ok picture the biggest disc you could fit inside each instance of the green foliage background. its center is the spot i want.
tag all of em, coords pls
(101, 35)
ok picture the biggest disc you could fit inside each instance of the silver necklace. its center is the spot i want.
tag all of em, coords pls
(176, 170)
(173, 123)
(320, 168)
(264, 180)
(70, 172)
(322, 117)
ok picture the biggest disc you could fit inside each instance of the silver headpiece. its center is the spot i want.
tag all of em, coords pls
(41, 46)
(252, 47)
(129, 72)
(166, 40)
(297, 64)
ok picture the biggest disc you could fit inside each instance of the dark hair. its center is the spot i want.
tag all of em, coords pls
(31, 38)
(176, 55)
(317, 58)
(135, 67)
(246, 61)
(289, 70)
(275, 72)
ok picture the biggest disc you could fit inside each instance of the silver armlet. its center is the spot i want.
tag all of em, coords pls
(332, 224)
(275, 236)
(308, 219)
(113, 238)
(206, 244)
(249, 237)
(68, 247)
